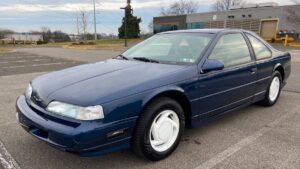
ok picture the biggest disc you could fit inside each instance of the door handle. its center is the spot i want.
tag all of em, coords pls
(253, 70)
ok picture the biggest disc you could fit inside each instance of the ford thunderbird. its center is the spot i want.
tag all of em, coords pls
(146, 97)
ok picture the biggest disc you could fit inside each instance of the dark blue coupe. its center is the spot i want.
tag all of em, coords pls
(146, 97)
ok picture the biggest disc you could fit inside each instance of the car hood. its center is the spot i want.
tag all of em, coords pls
(102, 82)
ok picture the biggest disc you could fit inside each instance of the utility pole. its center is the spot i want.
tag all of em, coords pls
(95, 22)
(127, 10)
(126, 43)
(125, 25)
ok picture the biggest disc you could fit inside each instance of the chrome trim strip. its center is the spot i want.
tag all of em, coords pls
(228, 104)
(259, 93)
(210, 95)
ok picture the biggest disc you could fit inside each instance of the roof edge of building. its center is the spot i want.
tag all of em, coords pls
(220, 12)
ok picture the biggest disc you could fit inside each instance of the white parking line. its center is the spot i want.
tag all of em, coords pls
(48, 64)
(245, 142)
(296, 51)
(12, 67)
(7, 161)
(36, 65)
(37, 60)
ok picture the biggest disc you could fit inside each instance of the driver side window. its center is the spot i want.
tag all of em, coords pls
(232, 50)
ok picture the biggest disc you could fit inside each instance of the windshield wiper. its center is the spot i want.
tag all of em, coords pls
(144, 59)
(121, 56)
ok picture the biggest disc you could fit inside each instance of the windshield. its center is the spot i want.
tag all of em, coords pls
(181, 47)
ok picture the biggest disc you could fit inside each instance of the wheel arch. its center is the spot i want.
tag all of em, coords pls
(178, 95)
(278, 67)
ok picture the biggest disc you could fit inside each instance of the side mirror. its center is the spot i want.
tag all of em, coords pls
(212, 65)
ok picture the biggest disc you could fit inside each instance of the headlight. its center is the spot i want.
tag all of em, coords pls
(28, 91)
(76, 112)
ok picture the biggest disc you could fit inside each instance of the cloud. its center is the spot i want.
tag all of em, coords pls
(104, 5)
(72, 7)
(26, 15)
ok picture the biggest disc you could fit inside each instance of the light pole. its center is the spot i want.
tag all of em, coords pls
(95, 22)
(125, 25)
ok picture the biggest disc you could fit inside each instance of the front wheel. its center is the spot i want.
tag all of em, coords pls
(273, 91)
(159, 129)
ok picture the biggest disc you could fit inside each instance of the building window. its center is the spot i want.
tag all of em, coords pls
(247, 24)
(195, 25)
(165, 27)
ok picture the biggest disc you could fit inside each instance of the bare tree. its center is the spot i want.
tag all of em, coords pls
(181, 7)
(292, 16)
(82, 23)
(46, 33)
(4, 32)
(150, 25)
(77, 26)
(224, 5)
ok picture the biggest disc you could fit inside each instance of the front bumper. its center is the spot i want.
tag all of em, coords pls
(86, 138)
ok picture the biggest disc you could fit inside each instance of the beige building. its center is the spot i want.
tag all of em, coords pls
(267, 19)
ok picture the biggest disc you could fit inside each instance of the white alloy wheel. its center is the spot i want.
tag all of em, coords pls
(274, 89)
(164, 130)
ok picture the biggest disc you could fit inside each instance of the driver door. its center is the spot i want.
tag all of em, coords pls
(220, 91)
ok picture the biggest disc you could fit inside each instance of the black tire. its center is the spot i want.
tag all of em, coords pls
(141, 139)
(267, 101)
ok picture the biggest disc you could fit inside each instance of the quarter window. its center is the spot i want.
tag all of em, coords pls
(260, 50)
(232, 50)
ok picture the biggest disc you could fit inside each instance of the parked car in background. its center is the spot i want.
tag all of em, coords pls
(146, 97)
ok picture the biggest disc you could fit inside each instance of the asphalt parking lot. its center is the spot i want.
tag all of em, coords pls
(254, 137)
(21, 63)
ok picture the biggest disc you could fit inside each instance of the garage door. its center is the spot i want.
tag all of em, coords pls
(268, 28)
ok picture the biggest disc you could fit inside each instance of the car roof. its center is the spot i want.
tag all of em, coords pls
(216, 31)
(213, 31)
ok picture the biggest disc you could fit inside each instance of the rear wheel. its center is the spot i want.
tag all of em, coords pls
(273, 91)
(159, 129)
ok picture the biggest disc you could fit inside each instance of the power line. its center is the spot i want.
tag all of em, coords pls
(104, 15)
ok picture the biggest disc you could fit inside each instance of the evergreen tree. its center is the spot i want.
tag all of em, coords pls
(132, 22)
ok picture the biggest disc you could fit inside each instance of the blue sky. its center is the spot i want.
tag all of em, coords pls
(27, 15)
